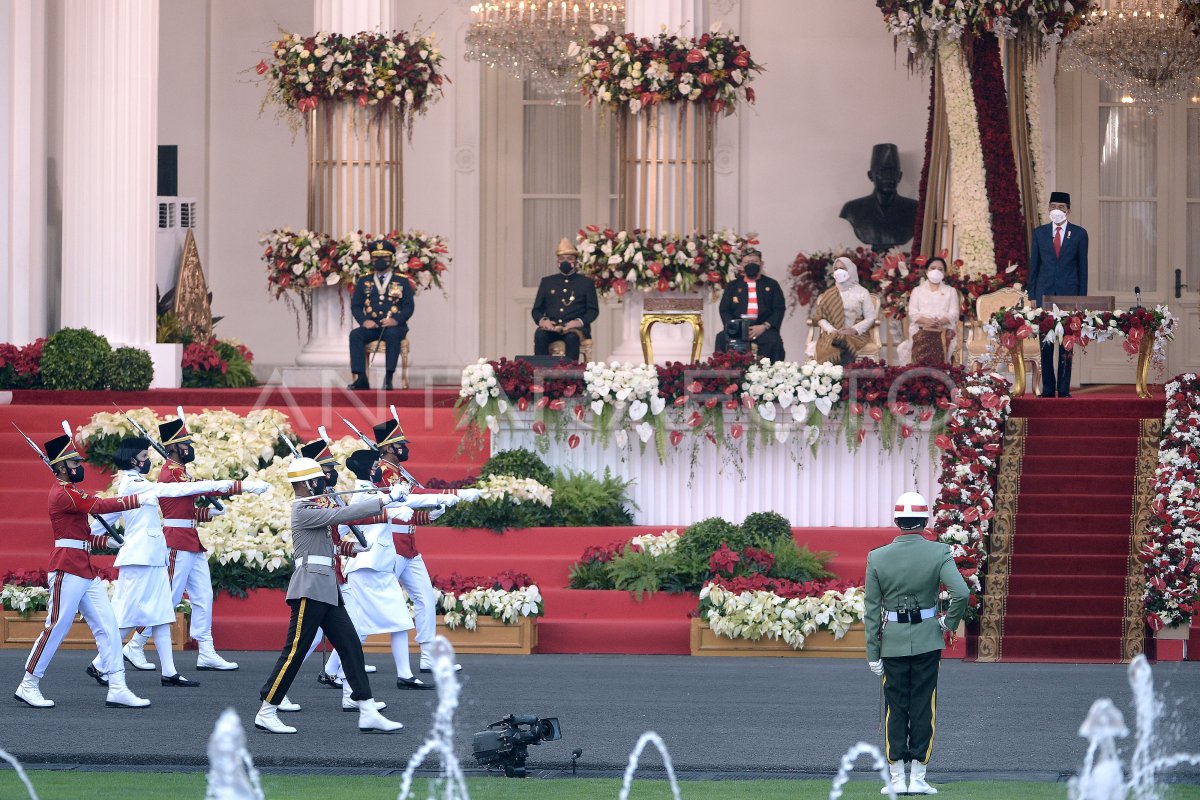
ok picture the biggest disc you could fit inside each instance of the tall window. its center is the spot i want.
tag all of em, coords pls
(1193, 194)
(1128, 196)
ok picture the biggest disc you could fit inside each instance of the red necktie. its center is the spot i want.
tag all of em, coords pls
(1057, 241)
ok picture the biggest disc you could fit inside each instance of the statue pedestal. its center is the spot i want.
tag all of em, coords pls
(328, 344)
(670, 342)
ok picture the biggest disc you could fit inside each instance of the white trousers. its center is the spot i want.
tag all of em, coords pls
(414, 577)
(189, 571)
(70, 594)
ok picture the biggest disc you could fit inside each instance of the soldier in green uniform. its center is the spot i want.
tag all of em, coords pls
(905, 636)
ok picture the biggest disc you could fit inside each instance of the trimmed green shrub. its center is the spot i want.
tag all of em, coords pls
(239, 372)
(764, 528)
(130, 369)
(581, 499)
(796, 563)
(518, 463)
(75, 358)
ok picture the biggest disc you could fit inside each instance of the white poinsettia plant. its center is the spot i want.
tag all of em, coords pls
(518, 490)
(758, 614)
(463, 609)
(24, 599)
(657, 544)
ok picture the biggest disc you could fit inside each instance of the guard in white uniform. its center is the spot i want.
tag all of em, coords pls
(143, 597)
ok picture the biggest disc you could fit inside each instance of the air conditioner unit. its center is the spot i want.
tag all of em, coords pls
(176, 215)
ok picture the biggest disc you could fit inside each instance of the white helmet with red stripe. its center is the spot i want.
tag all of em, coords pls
(910, 505)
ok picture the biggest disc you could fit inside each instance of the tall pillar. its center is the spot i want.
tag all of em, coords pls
(682, 17)
(110, 135)
(23, 269)
(348, 139)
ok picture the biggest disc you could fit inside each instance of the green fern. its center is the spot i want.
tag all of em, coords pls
(590, 575)
(582, 499)
(640, 573)
(796, 563)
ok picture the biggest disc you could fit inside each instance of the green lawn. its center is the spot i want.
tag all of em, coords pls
(52, 785)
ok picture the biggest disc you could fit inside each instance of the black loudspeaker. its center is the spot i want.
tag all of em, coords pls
(168, 170)
(542, 362)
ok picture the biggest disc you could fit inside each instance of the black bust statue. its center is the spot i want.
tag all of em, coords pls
(882, 219)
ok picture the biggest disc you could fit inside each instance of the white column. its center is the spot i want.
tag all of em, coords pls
(682, 17)
(331, 319)
(23, 271)
(110, 134)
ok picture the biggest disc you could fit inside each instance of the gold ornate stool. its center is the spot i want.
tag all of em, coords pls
(673, 311)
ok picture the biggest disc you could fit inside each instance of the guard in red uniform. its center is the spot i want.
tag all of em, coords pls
(188, 560)
(74, 585)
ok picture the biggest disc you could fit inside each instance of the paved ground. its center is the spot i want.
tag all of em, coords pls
(726, 715)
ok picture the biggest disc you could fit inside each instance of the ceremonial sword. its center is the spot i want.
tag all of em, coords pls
(335, 495)
(162, 451)
(118, 538)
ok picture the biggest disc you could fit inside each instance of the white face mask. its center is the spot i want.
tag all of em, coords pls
(840, 275)
(1058, 216)
(935, 276)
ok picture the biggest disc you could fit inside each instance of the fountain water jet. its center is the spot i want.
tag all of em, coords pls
(16, 765)
(231, 771)
(649, 737)
(877, 761)
(441, 736)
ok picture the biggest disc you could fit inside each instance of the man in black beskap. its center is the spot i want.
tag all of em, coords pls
(566, 305)
(759, 299)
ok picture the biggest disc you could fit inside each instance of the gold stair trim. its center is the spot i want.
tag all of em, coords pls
(1133, 627)
(1000, 542)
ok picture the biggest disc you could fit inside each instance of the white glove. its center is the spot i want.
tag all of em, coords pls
(469, 495)
(942, 622)
(148, 499)
(111, 543)
(436, 513)
(403, 513)
(399, 491)
(357, 548)
(876, 667)
(451, 500)
(255, 486)
(213, 511)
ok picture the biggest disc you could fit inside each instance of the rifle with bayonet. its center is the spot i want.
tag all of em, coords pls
(162, 451)
(407, 475)
(330, 491)
(118, 538)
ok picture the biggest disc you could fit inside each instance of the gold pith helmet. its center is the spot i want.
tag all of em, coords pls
(60, 449)
(565, 248)
(304, 469)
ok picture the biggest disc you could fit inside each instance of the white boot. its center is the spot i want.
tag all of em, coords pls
(896, 778)
(119, 695)
(351, 705)
(209, 659)
(917, 783)
(29, 693)
(266, 720)
(135, 653)
(287, 705)
(371, 721)
(367, 668)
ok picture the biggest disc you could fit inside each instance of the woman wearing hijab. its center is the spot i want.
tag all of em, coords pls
(844, 312)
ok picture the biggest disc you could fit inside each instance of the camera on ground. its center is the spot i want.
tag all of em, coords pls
(505, 744)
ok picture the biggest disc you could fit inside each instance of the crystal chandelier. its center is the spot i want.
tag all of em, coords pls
(1141, 48)
(531, 40)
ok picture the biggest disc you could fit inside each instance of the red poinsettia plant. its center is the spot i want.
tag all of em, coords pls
(784, 588)
(21, 365)
(25, 577)
(508, 580)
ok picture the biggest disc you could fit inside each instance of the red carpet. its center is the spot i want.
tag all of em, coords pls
(1074, 514)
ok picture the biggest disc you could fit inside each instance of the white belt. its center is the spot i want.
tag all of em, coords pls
(179, 523)
(926, 613)
(73, 544)
(320, 561)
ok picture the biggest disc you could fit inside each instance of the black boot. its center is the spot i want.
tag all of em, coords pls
(360, 382)
(387, 382)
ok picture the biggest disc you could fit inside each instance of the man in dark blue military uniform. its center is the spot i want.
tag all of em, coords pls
(565, 307)
(382, 304)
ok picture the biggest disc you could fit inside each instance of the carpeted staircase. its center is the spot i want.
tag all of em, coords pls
(1073, 526)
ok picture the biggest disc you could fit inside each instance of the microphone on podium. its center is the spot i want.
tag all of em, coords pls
(1137, 293)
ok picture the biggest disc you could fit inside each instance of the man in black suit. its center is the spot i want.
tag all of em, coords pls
(760, 301)
(381, 306)
(566, 305)
(1058, 265)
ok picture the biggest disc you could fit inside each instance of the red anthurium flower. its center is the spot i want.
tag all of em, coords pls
(261, 68)
(731, 405)
(676, 437)
(570, 390)
(1008, 341)
(736, 430)
(694, 387)
(876, 413)
(681, 400)
(862, 434)
(542, 402)
(926, 415)
(1024, 332)
(557, 404)
(579, 412)
(856, 409)
(573, 441)
(539, 427)
(522, 403)
(711, 402)
(695, 419)
(944, 442)
(906, 431)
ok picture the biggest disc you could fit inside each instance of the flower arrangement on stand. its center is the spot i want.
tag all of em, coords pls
(1080, 328)
(298, 261)
(403, 72)
(620, 261)
(507, 597)
(811, 273)
(1172, 595)
(971, 448)
(623, 71)
(808, 392)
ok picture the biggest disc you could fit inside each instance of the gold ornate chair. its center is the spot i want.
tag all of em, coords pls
(378, 346)
(872, 349)
(559, 348)
(977, 339)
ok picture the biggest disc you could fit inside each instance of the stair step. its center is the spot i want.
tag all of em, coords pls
(1077, 465)
(1072, 484)
(1074, 566)
(1060, 648)
(622, 636)
(1022, 625)
(1096, 524)
(1042, 586)
(1093, 443)
(1047, 503)
(1073, 544)
(1066, 605)
(1105, 427)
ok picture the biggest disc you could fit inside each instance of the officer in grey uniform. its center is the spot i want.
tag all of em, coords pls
(905, 636)
(316, 601)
